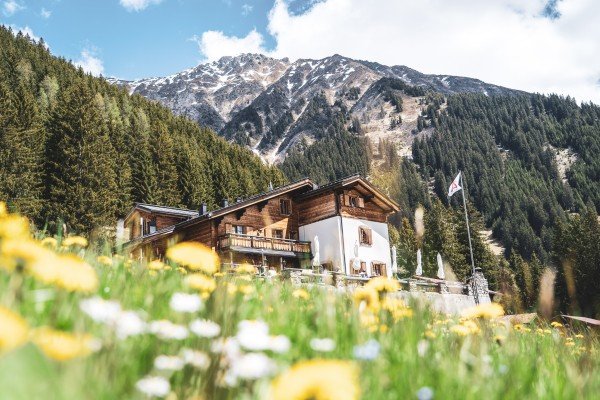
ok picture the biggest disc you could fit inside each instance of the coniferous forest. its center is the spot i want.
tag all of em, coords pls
(76, 149)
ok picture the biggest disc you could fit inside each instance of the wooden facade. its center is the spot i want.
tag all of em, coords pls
(262, 229)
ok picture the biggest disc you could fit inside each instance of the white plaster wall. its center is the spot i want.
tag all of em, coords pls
(380, 249)
(329, 233)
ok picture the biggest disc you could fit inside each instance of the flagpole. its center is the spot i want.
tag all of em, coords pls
(464, 189)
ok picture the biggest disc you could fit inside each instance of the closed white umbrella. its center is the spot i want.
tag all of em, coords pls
(394, 261)
(440, 263)
(316, 258)
(419, 270)
(356, 260)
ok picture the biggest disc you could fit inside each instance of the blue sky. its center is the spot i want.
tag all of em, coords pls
(132, 43)
(547, 46)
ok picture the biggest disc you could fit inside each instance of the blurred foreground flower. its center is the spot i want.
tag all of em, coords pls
(367, 351)
(79, 241)
(167, 330)
(204, 284)
(66, 271)
(154, 386)
(105, 260)
(205, 328)
(486, 311)
(13, 330)
(185, 303)
(317, 380)
(64, 346)
(168, 363)
(194, 256)
(323, 345)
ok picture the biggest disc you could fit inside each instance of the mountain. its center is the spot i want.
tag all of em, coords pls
(261, 102)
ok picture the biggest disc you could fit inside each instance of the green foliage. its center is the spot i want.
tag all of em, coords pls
(76, 148)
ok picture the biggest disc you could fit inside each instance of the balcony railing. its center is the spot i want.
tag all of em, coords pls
(261, 242)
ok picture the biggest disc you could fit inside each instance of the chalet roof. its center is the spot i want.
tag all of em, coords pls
(304, 183)
(156, 209)
(353, 181)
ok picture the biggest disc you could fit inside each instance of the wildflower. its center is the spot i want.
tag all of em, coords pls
(425, 393)
(499, 339)
(105, 260)
(252, 366)
(367, 351)
(22, 252)
(154, 386)
(246, 289)
(245, 269)
(197, 359)
(301, 294)
(185, 303)
(555, 324)
(155, 265)
(579, 336)
(460, 330)
(129, 323)
(227, 346)
(367, 297)
(167, 330)
(383, 285)
(64, 346)
(205, 285)
(194, 256)
(13, 330)
(323, 345)
(253, 335)
(78, 241)
(49, 242)
(279, 344)
(168, 363)
(74, 275)
(429, 334)
(317, 380)
(205, 328)
(422, 347)
(14, 227)
(486, 311)
(100, 310)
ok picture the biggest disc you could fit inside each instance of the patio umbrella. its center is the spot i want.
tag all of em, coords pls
(356, 260)
(419, 270)
(394, 261)
(316, 259)
(440, 273)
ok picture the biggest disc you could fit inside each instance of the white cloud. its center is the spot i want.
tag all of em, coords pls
(137, 5)
(10, 7)
(90, 63)
(215, 44)
(506, 42)
(45, 13)
(246, 9)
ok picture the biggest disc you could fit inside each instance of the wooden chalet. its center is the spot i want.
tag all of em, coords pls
(276, 229)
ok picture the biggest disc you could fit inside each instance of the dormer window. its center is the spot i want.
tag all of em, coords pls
(285, 206)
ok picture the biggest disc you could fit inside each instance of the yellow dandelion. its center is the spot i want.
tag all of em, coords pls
(200, 282)
(245, 269)
(246, 289)
(105, 260)
(78, 241)
(231, 288)
(63, 346)
(14, 227)
(155, 265)
(317, 380)
(366, 295)
(301, 294)
(49, 242)
(67, 272)
(486, 311)
(460, 330)
(499, 339)
(13, 330)
(579, 336)
(194, 256)
(218, 275)
(383, 285)
(569, 343)
(556, 324)
(22, 252)
(3, 210)
(430, 334)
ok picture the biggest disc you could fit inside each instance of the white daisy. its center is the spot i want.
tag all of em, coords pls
(169, 363)
(197, 359)
(165, 329)
(324, 345)
(279, 344)
(253, 335)
(205, 328)
(100, 310)
(129, 323)
(253, 366)
(185, 303)
(154, 386)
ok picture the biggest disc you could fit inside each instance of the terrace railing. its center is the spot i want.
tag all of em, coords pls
(261, 242)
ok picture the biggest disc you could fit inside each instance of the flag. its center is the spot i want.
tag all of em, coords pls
(455, 186)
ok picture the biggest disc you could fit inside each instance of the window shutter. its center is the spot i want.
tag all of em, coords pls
(228, 228)
(370, 235)
(346, 200)
(361, 202)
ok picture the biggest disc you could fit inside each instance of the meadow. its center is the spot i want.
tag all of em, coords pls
(80, 322)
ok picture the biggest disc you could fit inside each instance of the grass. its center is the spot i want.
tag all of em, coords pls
(420, 356)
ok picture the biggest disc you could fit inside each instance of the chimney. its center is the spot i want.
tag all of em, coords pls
(203, 209)
(225, 202)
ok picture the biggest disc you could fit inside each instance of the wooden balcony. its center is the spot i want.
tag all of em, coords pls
(258, 244)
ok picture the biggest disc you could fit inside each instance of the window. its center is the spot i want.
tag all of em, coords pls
(277, 233)
(293, 235)
(363, 267)
(354, 201)
(365, 236)
(285, 206)
(378, 269)
(239, 229)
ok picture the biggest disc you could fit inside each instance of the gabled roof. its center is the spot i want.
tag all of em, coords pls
(353, 181)
(165, 210)
(305, 184)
